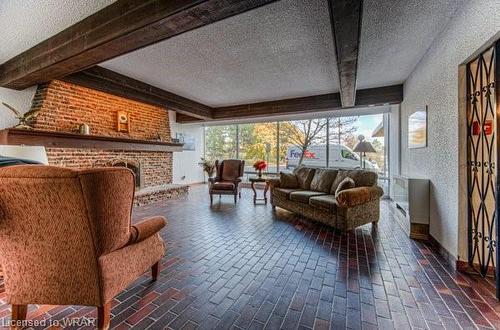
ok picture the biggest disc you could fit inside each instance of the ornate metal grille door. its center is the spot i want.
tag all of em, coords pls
(482, 154)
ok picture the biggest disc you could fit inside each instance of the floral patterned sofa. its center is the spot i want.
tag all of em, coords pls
(343, 199)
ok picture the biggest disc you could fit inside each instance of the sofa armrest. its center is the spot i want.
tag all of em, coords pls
(359, 195)
(146, 228)
(274, 183)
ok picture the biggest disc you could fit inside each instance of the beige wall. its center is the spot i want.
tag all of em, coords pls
(434, 82)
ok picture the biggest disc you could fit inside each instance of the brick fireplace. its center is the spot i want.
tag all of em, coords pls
(64, 107)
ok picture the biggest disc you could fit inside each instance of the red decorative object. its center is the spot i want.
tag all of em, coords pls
(259, 166)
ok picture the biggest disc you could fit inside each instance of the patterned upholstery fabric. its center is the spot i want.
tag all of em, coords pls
(323, 179)
(284, 191)
(64, 235)
(362, 178)
(325, 201)
(288, 180)
(347, 183)
(304, 177)
(303, 196)
(146, 228)
(355, 207)
(359, 195)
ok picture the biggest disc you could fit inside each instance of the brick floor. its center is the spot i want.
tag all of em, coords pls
(242, 266)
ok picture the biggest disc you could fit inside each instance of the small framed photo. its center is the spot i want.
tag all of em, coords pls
(417, 129)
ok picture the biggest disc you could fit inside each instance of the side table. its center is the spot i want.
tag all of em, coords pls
(254, 180)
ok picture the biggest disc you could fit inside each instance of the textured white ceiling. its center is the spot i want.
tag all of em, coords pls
(395, 35)
(25, 23)
(277, 51)
(281, 50)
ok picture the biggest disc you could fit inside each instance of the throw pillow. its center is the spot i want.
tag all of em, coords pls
(347, 183)
(323, 179)
(304, 177)
(341, 175)
(288, 180)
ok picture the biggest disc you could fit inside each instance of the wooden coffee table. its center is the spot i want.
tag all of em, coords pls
(254, 180)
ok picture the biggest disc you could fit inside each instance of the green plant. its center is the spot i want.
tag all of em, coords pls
(208, 166)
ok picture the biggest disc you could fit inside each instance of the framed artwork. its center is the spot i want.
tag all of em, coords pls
(188, 140)
(417, 129)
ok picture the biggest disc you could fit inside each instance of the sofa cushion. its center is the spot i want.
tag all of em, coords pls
(303, 195)
(347, 183)
(327, 202)
(323, 179)
(363, 178)
(223, 185)
(341, 175)
(285, 192)
(304, 177)
(288, 180)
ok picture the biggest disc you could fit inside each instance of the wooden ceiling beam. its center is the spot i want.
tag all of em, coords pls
(122, 27)
(345, 19)
(108, 81)
(326, 102)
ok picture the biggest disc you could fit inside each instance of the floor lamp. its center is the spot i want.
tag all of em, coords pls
(362, 148)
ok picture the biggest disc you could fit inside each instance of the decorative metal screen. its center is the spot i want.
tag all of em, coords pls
(482, 162)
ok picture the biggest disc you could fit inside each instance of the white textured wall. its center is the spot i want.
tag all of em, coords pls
(434, 82)
(21, 100)
(186, 169)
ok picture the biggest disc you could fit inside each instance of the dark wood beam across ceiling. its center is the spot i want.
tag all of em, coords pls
(326, 102)
(105, 80)
(189, 111)
(117, 29)
(345, 18)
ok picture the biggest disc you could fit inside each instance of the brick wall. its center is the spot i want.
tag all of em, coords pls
(156, 167)
(64, 106)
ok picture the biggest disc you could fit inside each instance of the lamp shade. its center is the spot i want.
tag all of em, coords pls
(364, 146)
(31, 153)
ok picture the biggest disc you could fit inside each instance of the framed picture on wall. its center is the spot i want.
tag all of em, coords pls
(188, 140)
(417, 129)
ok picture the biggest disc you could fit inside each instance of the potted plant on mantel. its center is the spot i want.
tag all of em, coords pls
(259, 166)
(208, 167)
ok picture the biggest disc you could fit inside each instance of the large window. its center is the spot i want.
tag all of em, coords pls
(303, 143)
(220, 142)
(318, 142)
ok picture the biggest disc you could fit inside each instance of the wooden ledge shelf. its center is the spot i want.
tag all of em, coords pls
(50, 139)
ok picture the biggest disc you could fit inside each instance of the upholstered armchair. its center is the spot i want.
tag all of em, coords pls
(227, 181)
(66, 237)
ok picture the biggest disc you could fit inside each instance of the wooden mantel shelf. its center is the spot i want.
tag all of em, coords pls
(49, 139)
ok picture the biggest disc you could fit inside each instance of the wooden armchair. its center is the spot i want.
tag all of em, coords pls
(227, 181)
(66, 237)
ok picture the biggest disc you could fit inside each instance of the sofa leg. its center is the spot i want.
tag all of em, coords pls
(103, 316)
(155, 271)
(19, 313)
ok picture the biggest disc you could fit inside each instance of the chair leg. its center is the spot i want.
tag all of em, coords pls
(155, 271)
(19, 313)
(235, 198)
(211, 199)
(103, 316)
